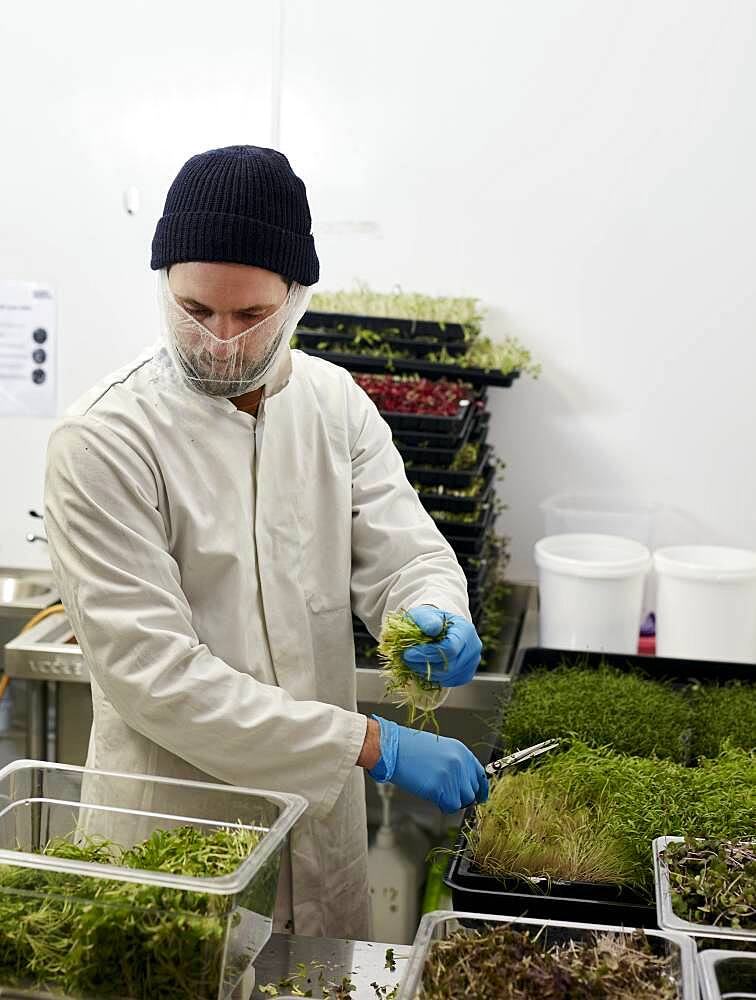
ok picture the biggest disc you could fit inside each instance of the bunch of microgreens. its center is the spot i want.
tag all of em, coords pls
(500, 963)
(714, 882)
(590, 814)
(602, 707)
(89, 936)
(420, 695)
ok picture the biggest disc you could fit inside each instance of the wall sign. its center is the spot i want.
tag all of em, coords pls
(28, 382)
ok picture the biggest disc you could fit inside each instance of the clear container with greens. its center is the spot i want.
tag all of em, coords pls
(727, 975)
(665, 913)
(133, 886)
(679, 972)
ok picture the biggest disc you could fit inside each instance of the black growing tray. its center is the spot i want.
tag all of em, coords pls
(453, 439)
(433, 454)
(654, 667)
(467, 546)
(430, 422)
(308, 337)
(443, 332)
(476, 892)
(455, 529)
(429, 369)
(449, 477)
(461, 505)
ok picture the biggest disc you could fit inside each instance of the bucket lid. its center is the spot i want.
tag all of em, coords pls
(604, 556)
(705, 562)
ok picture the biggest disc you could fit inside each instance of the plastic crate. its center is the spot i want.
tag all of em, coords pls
(441, 924)
(727, 975)
(666, 916)
(444, 332)
(228, 919)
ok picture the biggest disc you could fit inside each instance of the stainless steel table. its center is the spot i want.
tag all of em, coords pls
(49, 653)
(363, 962)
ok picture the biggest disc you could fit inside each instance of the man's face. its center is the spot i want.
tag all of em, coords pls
(227, 300)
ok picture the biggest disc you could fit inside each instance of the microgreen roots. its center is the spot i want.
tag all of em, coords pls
(420, 695)
(601, 707)
(91, 936)
(714, 882)
(500, 963)
(619, 803)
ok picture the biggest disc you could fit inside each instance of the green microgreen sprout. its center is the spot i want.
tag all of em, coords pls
(723, 712)
(420, 695)
(102, 937)
(713, 882)
(601, 706)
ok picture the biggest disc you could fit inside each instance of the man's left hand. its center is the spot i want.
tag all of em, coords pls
(455, 659)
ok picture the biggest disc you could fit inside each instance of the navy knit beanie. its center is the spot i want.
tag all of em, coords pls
(238, 205)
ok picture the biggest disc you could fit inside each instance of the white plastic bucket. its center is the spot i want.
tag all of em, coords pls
(706, 603)
(591, 591)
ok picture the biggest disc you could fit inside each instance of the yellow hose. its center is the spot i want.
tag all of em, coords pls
(40, 616)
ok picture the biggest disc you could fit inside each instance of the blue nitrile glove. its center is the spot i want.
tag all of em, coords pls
(455, 659)
(433, 767)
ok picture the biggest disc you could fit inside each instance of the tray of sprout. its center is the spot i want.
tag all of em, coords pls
(467, 468)
(420, 695)
(570, 837)
(706, 888)
(447, 317)
(464, 524)
(434, 453)
(462, 501)
(724, 975)
(360, 336)
(464, 955)
(101, 896)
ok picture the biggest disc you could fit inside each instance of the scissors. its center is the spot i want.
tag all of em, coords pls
(496, 766)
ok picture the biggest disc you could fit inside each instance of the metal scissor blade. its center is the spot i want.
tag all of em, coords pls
(496, 766)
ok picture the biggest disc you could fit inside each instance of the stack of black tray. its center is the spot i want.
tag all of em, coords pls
(443, 455)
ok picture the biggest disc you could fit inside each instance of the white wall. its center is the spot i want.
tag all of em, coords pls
(585, 168)
(95, 100)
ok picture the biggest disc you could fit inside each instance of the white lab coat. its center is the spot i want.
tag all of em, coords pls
(153, 505)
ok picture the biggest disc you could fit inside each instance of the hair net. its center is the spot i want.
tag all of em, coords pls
(230, 366)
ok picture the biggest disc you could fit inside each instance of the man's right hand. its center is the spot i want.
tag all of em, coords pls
(436, 768)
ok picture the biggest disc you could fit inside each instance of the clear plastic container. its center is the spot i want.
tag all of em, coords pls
(441, 924)
(666, 916)
(727, 975)
(602, 514)
(177, 936)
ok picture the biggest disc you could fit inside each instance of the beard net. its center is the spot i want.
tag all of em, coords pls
(229, 366)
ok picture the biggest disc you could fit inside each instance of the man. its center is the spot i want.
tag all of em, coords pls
(216, 510)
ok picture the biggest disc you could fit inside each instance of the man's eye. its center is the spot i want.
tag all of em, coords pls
(250, 317)
(195, 311)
